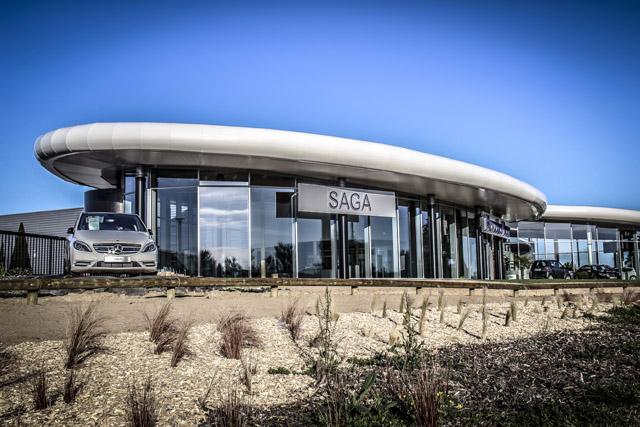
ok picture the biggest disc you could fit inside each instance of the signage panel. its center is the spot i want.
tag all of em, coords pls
(350, 201)
(494, 227)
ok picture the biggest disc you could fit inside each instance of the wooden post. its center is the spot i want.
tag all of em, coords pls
(515, 293)
(274, 291)
(354, 290)
(472, 291)
(555, 292)
(418, 290)
(32, 298)
(171, 293)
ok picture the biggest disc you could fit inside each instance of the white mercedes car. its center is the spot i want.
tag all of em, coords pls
(111, 243)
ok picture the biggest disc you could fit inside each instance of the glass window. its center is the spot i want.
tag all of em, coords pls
(473, 248)
(316, 246)
(271, 232)
(426, 246)
(176, 229)
(356, 232)
(271, 180)
(223, 176)
(583, 244)
(174, 178)
(407, 212)
(382, 246)
(608, 246)
(224, 231)
(449, 247)
(110, 222)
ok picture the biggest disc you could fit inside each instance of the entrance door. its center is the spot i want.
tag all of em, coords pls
(489, 258)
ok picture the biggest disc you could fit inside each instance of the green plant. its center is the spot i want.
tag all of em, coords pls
(408, 352)
(279, 370)
(20, 260)
(342, 406)
(327, 361)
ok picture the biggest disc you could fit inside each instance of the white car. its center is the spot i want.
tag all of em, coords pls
(111, 243)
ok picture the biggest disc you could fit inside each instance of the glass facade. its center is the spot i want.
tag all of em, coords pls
(573, 245)
(230, 223)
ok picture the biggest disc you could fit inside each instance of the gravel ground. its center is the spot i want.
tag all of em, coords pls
(129, 357)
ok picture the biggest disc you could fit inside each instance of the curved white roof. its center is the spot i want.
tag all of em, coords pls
(94, 155)
(592, 214)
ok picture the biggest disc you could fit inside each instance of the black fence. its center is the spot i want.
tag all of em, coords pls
(24, 254)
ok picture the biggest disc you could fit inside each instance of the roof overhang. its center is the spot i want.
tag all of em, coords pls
(592, 215)
(95, 154)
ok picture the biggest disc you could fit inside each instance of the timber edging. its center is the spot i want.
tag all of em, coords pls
(90, 283)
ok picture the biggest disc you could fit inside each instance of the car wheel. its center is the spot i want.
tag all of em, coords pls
(633, 278)
(549, 276)
(567, 277)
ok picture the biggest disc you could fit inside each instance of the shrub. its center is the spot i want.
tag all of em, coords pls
(292, 317)
(327, 361)
(237, 333)
(141, 405)
(39, 390)
(84, 333)
(181, 343)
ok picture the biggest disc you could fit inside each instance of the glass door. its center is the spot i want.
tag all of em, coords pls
(358, 258)
(175, 221)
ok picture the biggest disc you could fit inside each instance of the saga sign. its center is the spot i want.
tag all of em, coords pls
(350, 201)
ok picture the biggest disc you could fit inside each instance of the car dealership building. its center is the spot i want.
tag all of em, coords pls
(242, 202)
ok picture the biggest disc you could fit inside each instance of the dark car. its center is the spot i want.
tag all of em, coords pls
(597, 272)
(549, 269)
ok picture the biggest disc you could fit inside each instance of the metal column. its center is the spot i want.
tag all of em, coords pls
(433, 234)
(479, 246)
(140, 193)
(343, 272)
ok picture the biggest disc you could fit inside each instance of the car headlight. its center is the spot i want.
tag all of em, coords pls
(149, 247)
(81, 246)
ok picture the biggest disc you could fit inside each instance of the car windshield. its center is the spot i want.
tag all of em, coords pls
(110, 222)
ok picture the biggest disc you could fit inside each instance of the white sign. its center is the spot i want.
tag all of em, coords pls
(350, 201)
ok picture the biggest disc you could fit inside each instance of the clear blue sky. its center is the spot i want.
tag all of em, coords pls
(548, 92)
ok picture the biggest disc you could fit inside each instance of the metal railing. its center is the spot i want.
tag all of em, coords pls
(25, 254)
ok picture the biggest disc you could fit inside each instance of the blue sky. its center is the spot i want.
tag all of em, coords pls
(546, 91)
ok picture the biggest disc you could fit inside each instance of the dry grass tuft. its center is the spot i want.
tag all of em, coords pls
(141, 405)
(249, 369)
(162, 328)
(39, 390)
(463, 317)
(231, 411)
(425, 395)
(84, 333)
(71, 388)
(237, 333)
(292, 317)
(181, 343)
(629, 297)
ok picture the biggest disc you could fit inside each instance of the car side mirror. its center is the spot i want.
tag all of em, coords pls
(70, 230)
(150, 231)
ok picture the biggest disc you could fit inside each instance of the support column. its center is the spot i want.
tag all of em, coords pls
(343, 254)
(433, 234)
(140, 193)
(479, 245)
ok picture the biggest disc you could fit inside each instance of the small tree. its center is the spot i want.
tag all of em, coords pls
(20, 257)
(523, 262)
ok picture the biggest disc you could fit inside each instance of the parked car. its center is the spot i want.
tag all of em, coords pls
(597, 272)
(549, 269)
(110, 243)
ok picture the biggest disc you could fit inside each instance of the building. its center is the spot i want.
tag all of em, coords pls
(244, 202)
